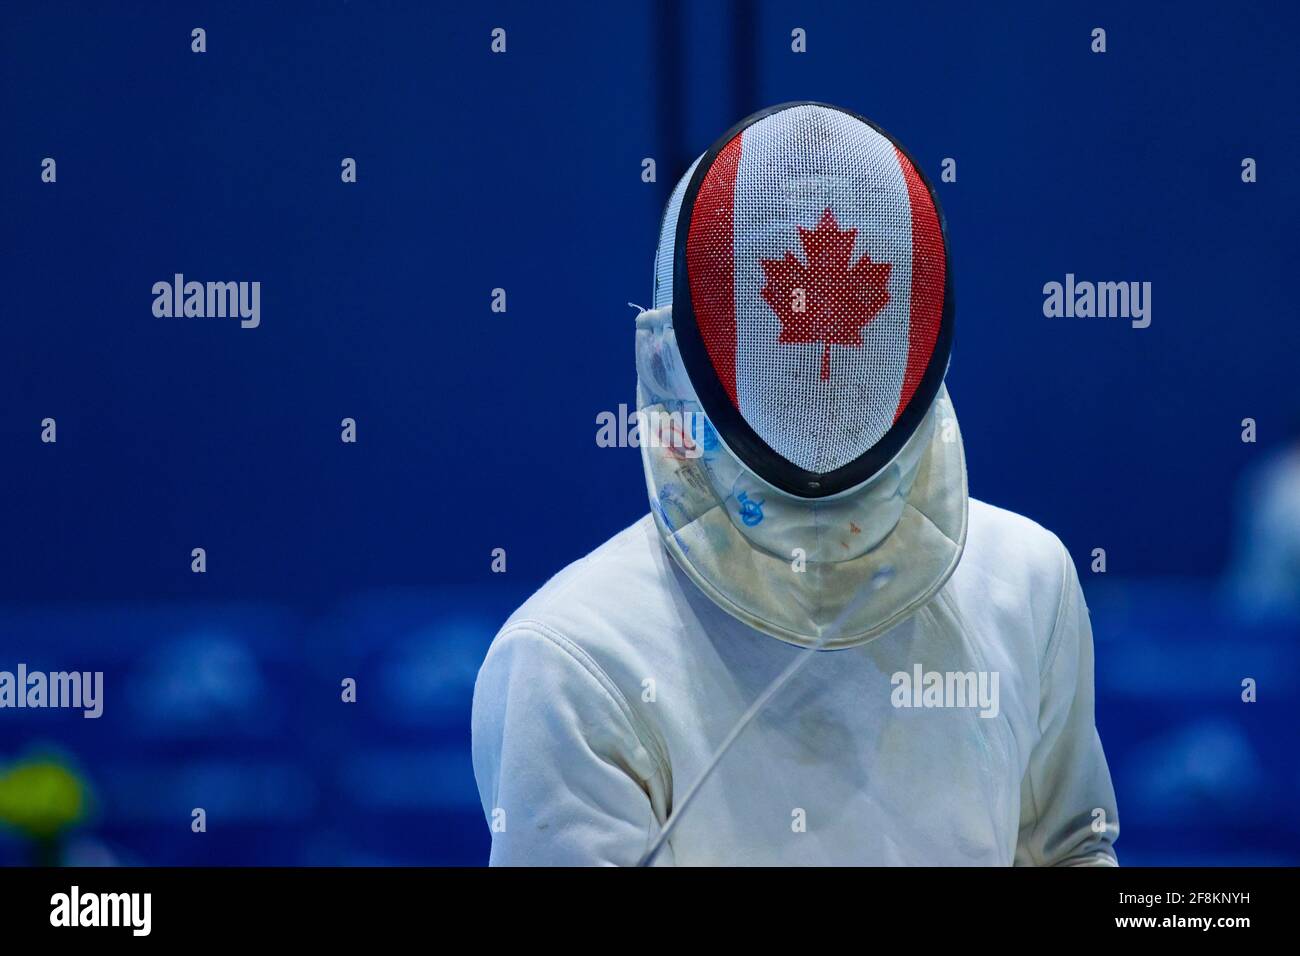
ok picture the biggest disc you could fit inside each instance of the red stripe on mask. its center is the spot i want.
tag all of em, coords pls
(710, 263)
(928, 272)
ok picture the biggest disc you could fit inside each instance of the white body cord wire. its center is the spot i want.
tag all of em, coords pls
(746, 718)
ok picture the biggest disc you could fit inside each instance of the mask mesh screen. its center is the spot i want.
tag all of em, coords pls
(816, 269)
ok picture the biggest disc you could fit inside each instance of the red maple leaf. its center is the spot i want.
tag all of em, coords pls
(837, 299)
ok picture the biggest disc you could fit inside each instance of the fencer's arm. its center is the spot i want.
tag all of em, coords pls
(563, 776)
(1068, 815)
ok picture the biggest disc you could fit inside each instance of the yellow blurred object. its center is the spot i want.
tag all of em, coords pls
(41, 797)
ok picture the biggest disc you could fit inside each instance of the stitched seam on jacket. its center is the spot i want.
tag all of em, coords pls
(1049, 658)
(1053, 643)
(603, 680)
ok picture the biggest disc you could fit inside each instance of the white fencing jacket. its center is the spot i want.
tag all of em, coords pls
(604, 697)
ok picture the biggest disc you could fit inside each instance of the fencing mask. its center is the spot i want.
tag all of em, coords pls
(801, 453)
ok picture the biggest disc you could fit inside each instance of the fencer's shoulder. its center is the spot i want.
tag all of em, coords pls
(1013, 579)
(603, 587)
(605, 618)
(1015, 549)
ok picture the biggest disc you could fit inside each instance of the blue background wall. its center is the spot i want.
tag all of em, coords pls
(476, 429)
